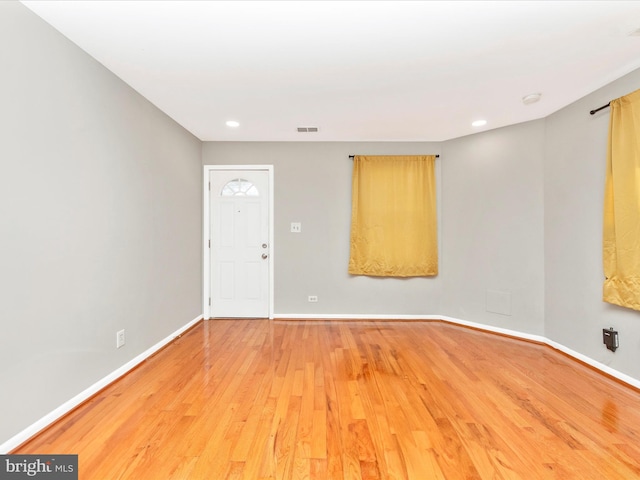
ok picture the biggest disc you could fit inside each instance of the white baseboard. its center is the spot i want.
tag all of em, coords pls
(623, 377)
(312, 316)
(634, 382)
(490, 328)
(69, 405)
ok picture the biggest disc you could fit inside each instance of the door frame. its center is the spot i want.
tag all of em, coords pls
(206, 229)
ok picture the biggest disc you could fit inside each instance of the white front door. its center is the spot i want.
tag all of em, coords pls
(240, 250)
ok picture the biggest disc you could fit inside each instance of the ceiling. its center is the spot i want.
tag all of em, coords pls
(357, 70)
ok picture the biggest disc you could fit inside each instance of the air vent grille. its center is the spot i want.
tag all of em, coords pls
(307, 129)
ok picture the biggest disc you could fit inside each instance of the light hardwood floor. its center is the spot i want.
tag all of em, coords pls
(260, 399)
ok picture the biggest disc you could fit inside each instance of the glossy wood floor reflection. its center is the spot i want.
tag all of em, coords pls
(260, 399)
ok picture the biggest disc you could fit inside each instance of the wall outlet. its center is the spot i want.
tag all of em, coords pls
(312, 298)
(610, 339)
(296, 227)
(120, 339)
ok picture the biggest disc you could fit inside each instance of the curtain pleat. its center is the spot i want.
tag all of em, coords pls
(621, 232)
(393, 216)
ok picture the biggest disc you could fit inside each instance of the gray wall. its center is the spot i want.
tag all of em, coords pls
(574, 174)
(313, 186)
(492, 219)
(100, 220)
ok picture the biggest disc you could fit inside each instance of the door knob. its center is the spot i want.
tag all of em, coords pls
(264, 255)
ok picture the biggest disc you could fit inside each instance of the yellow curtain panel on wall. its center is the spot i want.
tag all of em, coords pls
(393, 216)
(621, 236)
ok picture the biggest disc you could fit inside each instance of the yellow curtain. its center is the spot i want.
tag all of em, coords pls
(621, 236)
(393, 216)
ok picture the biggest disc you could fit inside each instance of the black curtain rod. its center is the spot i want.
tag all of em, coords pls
(351, 156)
(598, 109)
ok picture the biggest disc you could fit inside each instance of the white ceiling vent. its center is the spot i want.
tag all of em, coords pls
(307, 129)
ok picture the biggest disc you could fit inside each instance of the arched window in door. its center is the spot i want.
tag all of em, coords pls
(239, 187)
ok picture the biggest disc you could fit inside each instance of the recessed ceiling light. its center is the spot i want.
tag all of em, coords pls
(479, 123)
(233, 123)
(531, 98)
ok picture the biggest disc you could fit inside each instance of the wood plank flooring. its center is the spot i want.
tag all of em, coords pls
(260, 399)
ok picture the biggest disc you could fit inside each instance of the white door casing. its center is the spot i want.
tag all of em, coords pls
(238, 241)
